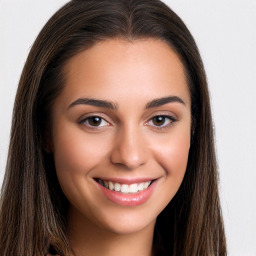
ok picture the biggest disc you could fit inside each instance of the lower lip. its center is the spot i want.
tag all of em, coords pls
(128, 199)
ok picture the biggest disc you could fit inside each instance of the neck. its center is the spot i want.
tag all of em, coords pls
(89, 239)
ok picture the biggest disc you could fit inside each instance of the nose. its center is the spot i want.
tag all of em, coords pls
(129, 149)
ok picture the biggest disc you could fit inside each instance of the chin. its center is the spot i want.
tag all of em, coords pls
(123, 221)
(121, 225)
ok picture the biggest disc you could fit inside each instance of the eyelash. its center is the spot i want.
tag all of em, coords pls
(97, 118)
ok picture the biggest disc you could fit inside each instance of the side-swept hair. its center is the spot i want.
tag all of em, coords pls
(33, 207)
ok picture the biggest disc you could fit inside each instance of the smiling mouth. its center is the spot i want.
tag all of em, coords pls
(124, 188)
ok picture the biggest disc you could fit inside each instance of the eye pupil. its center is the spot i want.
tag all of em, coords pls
(158, 120)
(94, 121)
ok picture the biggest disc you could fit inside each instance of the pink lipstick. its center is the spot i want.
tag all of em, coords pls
(134, 194)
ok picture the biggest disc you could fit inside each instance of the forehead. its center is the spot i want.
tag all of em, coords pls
(117, 68)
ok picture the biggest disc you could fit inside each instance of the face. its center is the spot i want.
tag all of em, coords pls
(121, 133)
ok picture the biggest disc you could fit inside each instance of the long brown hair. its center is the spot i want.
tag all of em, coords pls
(33, 207)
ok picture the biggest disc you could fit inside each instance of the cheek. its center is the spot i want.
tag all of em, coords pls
(172, 153)
(76, 154)
(178, 155)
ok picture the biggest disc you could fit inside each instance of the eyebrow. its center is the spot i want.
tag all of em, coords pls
(162, 101)
(94, 102)
(111, 105)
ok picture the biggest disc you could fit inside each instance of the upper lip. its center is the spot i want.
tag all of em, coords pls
(127, 181)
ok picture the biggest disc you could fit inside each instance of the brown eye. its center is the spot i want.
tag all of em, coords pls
(95, 121)
(161, 121)
(158, 120)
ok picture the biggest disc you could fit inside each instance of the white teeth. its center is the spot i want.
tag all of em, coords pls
(110, 185)
(124, 188)
(117, 187)
(133, 188)
(141, 186)
(146, 184)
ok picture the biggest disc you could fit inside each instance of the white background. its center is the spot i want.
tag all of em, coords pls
(225, 31)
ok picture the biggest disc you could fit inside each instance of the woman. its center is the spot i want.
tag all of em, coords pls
(112, 145)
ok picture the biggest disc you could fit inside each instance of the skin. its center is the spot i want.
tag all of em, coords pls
(126, 143)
